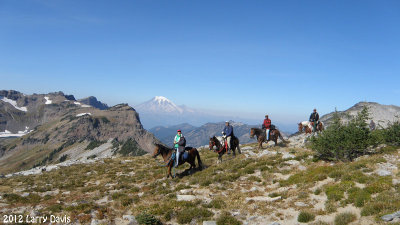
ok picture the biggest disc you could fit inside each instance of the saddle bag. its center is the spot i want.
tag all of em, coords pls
(185, 156)
(272, 127)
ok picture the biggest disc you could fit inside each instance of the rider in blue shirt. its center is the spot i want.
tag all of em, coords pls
(228, 133)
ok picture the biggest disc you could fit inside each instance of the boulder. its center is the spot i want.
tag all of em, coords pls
(185, 197)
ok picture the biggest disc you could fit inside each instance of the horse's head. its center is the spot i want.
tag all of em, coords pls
(211, 144)
(252, 133)
(157, 151)
(300, 127)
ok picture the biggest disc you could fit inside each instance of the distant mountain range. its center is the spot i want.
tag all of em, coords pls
(199, 136)
(160, 111)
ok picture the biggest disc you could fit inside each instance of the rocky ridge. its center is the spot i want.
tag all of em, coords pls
(60, 124)
(382, 115)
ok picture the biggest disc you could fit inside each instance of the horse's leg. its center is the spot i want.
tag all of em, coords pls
(169, 172)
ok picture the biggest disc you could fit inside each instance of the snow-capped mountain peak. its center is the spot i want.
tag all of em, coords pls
(161, 99)
(159, 105)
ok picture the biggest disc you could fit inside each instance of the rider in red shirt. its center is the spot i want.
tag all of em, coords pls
(267, 126)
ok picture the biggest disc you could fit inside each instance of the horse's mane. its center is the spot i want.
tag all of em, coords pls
(256, 129)
(163, 147)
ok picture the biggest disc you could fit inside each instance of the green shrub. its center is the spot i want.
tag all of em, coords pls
(216, 204)
(55, 208)
(131, 147)
(226, 219)
(343, 141)
(254, 178)
(147, 219)
(305, 217)
(63, 158)
(385, 203)
(91, 156)
(334, 193)
(392, 133)
(358, 196)
(117, 195)
(319, 223)
(345, 218)
(105, 120)
(30, 199)
(94, 144)
(126, 201)
(330, 206)
(187, 215)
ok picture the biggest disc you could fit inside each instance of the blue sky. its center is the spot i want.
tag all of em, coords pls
(245, 58)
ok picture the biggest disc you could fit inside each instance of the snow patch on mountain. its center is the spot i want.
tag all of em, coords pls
(7, 133)
(48, 101)
(13, 103)
(82, 114)
(82, 105)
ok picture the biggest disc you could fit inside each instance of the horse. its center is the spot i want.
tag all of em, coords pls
(223, 148)
(306, 126)
(166, 153)
(261, 136)
(320, 126)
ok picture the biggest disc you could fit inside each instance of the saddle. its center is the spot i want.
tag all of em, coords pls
(182, 156)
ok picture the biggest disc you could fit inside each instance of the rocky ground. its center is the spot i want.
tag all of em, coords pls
(274, 185)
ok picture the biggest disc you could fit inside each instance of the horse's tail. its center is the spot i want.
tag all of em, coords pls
(238, 146)
(281, 137)
(198, 159)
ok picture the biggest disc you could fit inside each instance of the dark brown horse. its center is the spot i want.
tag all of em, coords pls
(261, 137)
(166, 153)
(222, 147)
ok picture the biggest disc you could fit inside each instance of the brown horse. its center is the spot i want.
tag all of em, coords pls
(320, 126)
(166, 153)
(261, 137)
(307, 129)
(222, 148)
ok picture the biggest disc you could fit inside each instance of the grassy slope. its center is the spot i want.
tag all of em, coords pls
(137, 184)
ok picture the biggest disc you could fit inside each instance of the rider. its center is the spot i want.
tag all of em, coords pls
(179, 145)
(372, 125)
(228, 134)
(314, 117)
(267, 126)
